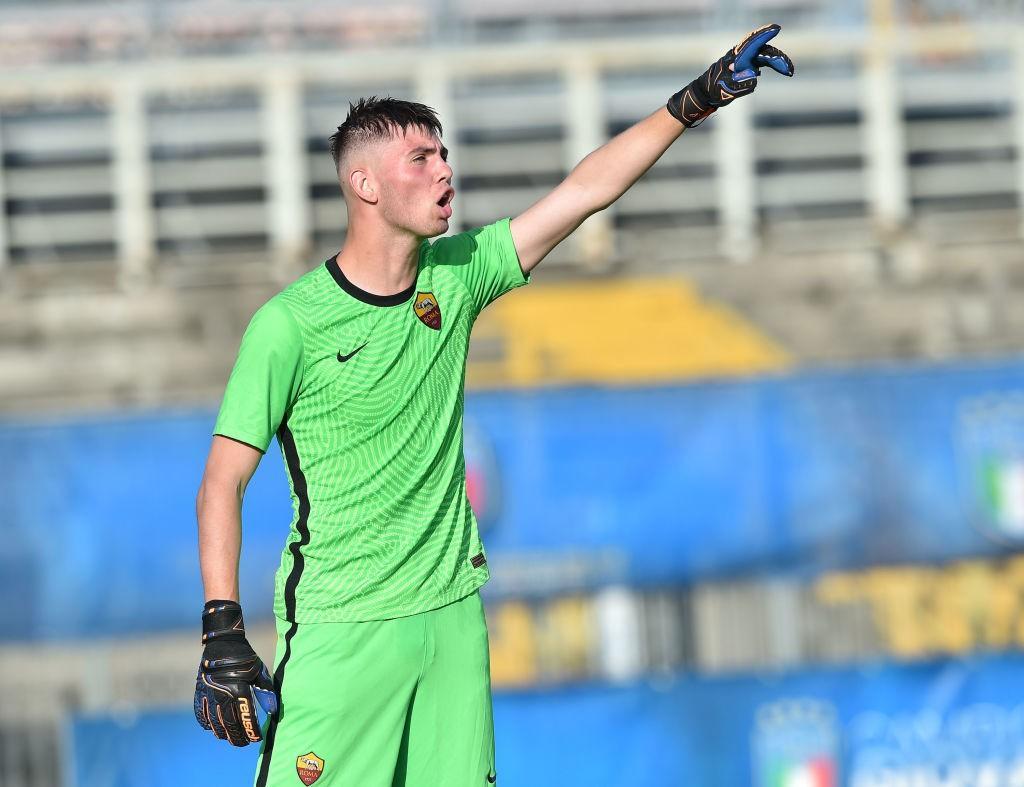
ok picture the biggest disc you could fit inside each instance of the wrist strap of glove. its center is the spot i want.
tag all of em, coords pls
(222, 621)
(691, 104)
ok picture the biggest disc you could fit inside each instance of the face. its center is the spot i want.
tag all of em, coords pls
(415, 183)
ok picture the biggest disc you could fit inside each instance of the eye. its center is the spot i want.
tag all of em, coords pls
(420, 158)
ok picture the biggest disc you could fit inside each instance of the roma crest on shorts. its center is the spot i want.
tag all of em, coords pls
(309, 767)
(427, 310)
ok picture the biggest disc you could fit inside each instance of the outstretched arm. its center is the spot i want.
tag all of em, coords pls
(594, 184)
(606, 173)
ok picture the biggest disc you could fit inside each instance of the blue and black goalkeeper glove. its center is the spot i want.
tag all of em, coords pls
(232, 680)
(721, 83)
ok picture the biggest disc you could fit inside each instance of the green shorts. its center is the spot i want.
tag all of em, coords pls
(404, 702)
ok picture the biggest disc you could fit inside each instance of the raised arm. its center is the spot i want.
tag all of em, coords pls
(594, 184)
(606, 173)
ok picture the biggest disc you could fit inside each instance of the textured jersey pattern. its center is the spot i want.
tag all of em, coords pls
(372, 439)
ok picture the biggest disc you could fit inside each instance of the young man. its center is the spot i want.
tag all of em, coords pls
(381, 675)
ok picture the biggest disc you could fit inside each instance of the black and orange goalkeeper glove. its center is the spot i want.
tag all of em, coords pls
(232, 679)
(731, 76)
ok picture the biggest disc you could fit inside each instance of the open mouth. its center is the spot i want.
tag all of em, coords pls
(446, 198)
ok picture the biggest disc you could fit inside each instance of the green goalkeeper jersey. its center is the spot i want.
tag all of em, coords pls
(365, 395)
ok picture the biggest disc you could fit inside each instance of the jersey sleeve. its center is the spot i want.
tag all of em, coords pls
(265, 379)
(484, 259)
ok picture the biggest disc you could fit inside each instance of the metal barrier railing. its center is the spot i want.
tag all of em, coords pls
(182, 161)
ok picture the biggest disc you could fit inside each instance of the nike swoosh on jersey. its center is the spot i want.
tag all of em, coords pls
(344, 358)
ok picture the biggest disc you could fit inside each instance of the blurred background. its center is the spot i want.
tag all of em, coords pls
(748, 456)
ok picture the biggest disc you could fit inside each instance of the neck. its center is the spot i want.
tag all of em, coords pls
(378, 261)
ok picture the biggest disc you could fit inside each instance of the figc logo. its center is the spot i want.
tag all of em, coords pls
(795, 744)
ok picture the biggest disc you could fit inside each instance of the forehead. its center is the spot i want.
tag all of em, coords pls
(411, 139)
(417, 136)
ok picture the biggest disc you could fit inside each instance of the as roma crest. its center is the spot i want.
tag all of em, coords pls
(427, 310)
(309, 767)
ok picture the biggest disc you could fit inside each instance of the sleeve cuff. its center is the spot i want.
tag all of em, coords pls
(247, 439)
(514, 269)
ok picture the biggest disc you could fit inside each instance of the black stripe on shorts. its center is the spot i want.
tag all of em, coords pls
(284, 437)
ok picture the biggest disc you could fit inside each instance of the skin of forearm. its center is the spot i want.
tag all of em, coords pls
(608, 172)
(219, 514)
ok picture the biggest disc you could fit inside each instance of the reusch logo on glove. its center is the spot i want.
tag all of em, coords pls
(309, 767)
(245, 713)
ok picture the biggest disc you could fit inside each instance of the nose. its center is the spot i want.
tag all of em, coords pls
(446, 172)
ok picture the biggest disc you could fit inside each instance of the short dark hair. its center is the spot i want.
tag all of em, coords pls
(373, 118)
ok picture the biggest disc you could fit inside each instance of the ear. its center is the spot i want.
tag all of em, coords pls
(363, 185)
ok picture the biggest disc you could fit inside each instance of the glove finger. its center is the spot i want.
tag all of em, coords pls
(775, 59)
(227, 712)
(747, 49)
(267, 700)
(263, 691)
(211, 695)
(744, 76)
(199, 705)
(248, 720)
(201, 708)
(216, 720)
(263, 680)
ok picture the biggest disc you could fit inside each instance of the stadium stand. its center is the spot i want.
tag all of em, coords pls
(163, 170)
(875, 190)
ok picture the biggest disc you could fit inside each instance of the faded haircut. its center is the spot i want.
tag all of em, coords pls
(375, 119)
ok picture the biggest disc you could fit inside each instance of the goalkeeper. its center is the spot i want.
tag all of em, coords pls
(381, 675)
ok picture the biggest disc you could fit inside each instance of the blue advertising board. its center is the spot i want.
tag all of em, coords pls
(575, 487)
(929, 725)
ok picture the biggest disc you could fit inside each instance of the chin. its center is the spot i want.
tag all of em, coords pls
(440, 228)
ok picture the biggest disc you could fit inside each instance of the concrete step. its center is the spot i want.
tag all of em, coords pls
(174, 340)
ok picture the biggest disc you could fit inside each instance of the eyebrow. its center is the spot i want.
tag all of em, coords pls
(423, 149)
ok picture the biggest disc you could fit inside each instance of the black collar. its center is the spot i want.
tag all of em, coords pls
(367, 297)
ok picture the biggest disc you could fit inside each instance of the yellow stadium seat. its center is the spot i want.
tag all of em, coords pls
(618, 332)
